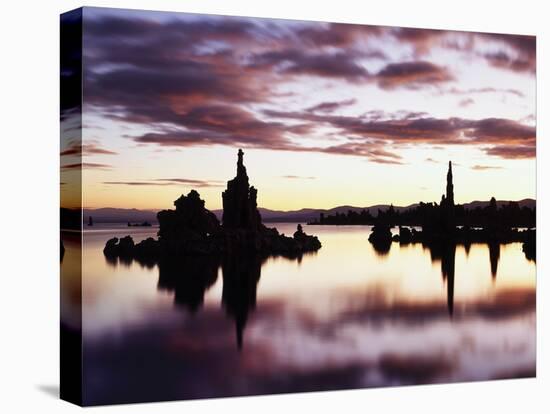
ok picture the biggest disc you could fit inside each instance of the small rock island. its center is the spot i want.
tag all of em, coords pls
(191, 229)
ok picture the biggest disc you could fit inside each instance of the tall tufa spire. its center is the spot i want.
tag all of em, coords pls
(241, 169)
(450, 192)
(240, 208)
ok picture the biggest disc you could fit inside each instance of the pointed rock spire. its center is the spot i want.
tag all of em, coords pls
(241, 169)
(240, 210)
(450, 188)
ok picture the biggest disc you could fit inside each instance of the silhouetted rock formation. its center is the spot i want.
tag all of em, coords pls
(530, 245)
(142, 224)
(242, 223)
(111, 247)
(474, 214)
(123, 247)
(381, 237)
(439, 224)
(405, 235)
(305, 242)
(147, 251)
(448, 206)
(240, 209)
(442, 225)
(191, 229)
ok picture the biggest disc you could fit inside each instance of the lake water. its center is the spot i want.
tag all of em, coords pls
(345, 317)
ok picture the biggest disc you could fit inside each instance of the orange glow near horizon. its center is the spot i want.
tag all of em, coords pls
(356, 184)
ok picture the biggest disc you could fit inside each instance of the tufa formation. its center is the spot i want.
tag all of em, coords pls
(440, 227)
(191, 229)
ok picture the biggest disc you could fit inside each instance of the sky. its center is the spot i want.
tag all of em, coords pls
(327, 114)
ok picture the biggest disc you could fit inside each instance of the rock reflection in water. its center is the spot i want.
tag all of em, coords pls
(189, 278)
(240, 282)
(446, 252)
(494, 256)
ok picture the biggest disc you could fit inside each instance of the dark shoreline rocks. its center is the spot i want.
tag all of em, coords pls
(381, 235)
(142, 224)
(530, 246)
(465, 236)
(442, 230)
(268, 243)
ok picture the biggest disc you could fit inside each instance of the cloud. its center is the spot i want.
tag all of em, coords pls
(470, 91)
(331, 106)
(496, 136)
(517, 53)
(374, 152)
(169, 181)
(180, 63)
(86, 165)
(298, 177)
(86, 149)
(501, 130)
(485, 167)
(421, 40)
(222, 125)
(512, 152)
(466, 102)
(194, 80)
(322, 35)
(510, 52)
(341, 64)
(153, 71)
(412, 75)
(266, 135)
(503, 60)
(176, 30)
(148, 72)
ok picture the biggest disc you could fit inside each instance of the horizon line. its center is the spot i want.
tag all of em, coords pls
(316, 208)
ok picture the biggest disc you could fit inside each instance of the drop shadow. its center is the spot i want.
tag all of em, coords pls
(51, 390)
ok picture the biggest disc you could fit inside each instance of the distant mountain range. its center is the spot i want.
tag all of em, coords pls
(120, 215)
(123, 215)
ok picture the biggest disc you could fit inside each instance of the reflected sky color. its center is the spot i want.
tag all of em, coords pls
(345, 317)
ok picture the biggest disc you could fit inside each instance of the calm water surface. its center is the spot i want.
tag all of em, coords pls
(345, 317)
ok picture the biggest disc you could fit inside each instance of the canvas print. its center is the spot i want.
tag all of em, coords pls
(259, 206)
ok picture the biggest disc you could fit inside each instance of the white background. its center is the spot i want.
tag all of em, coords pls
(29, 209)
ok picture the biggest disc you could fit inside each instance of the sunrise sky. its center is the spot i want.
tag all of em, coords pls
(327, 114)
